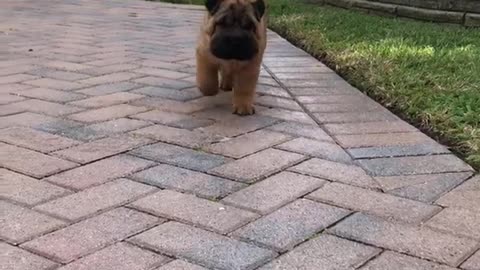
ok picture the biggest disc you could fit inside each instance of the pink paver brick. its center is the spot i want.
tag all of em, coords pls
(36, 140)
(46, 107)
(55, 84)
(90, 201)
(85, 237)
(107, 113)
(51, 94)
(107, 100)
(26, 190)
(99, 172)
(18, 224)
(30, 162)
(121, 256)
(14, 258)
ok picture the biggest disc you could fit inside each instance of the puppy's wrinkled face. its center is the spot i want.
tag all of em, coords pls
(234, 26)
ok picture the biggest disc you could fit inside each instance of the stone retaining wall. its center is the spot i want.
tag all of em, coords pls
(466, 12)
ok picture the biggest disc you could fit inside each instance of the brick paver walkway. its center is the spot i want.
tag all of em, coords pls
(111, 159)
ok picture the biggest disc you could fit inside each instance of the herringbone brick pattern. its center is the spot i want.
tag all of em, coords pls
(110, 159)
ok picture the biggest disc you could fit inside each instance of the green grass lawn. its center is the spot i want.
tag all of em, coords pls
(427, 73)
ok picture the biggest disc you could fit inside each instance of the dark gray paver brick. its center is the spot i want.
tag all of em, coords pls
(85, 237)
(325, 251)
(180, 265)
(205, 248)
(95, 199)
(375, 203)
(100, 171)
(254, 167)
(397, 261)
(424, 188)
(273, 192)
(247, 144)
(302, 130)
(324, 150)
(200, 212)
(183, 157)
(30, 162)
(473, 263)
(414, 165)
(334, 171)
(36, 140)
(420, 242)
(467, 195)
(18, 224)
(291, 224)
(98, 149)
(26, 190)
(200, 184)
(458, 221)
(121, 256)
(399, 151)
(14, 258)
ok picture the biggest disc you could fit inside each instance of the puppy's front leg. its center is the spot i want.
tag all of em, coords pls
(244, 86)
(207, 75)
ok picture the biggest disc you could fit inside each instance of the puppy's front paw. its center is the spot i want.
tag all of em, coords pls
(243, 109)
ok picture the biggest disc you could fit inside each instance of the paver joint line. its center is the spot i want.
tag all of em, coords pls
(111, 159)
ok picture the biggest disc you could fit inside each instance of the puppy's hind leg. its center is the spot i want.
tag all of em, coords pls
(226, 83)
(207, 76)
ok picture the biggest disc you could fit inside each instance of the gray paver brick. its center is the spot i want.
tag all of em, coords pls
(355, 117)
(370, 127)
(179, 156)
(324, 150)
(473, 263)
(257, 166)
(180, 95)
(273, 192)
(457, 221)
(302, 130)
(178, 136)
(105, 89)
(424, 188)
(203, 247)
(334, 171)
(180, 265)
(420, 242)
(81, 238)
(293, 116)
(46, 107)
(414, 165)
(160, 117)
(98, 149)
(382, 139)
(95, 199)
(50, 95)
(26, 190)
(247, 144)
(329, 252)
(18, 224)
(200, 212)
(14, 258)
(464, 196)
(26, 119)
(106, 100)
(291, 224)
(99, 172)
(375, 203)
(277, 102)
(399, 151)
(31, 163)
(397, 261)
(200, 184)
(36, 140)
(121, 256)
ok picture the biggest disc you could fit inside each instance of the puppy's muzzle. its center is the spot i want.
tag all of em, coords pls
(234, 47)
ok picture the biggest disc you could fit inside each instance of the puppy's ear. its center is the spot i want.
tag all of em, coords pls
(212, 5)
(259, 7)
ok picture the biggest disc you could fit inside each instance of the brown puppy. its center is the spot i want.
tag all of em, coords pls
(231, 44)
